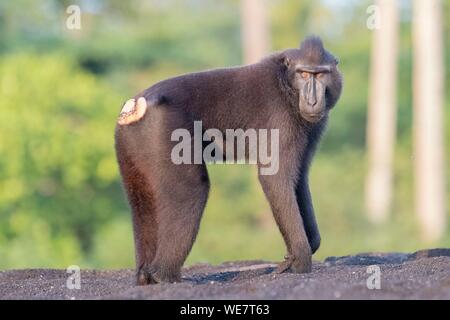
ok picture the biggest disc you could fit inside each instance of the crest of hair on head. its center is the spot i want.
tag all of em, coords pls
(312, 50)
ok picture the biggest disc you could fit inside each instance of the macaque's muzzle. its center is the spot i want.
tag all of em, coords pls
(312, 100)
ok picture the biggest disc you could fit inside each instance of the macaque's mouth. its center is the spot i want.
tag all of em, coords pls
(312, 117)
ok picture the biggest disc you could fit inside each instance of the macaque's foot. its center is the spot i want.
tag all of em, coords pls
(295, 264)
(147, 276)
(314, 243)
(144, 277)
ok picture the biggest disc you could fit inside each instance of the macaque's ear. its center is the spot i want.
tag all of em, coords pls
(286, 61)
(336, 61)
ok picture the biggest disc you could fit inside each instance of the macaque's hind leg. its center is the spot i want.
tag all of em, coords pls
(184, 191)
(135, 169)
(145, 228)
(142, 201)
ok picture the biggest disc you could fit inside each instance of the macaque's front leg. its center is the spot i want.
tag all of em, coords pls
(280, 193)
(305, 205)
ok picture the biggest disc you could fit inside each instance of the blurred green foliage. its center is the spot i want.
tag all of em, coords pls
(61, 201)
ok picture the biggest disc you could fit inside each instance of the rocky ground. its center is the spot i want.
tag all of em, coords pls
(421, 275)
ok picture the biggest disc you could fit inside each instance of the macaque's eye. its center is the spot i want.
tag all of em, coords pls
(305, 75)
(319, 75)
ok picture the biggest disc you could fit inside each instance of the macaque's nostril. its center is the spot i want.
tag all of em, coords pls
(312, 101)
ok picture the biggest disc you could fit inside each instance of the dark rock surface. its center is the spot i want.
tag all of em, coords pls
(421, 275)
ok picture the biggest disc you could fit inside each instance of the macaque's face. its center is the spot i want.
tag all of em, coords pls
(312, 83)
(318, 84)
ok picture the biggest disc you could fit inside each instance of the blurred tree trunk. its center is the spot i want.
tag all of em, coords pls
(381, 118)
(428, 116)
(254, 30)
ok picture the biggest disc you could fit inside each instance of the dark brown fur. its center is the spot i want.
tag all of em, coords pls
(168, 200)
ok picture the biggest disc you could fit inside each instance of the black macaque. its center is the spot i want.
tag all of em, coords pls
(292, 91)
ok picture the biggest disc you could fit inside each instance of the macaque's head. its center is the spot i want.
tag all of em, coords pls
(312, 73)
